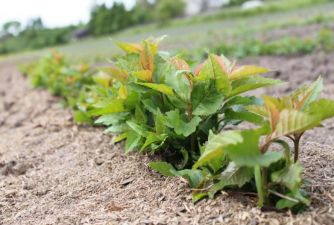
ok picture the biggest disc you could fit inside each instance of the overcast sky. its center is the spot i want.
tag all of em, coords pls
(54, 13)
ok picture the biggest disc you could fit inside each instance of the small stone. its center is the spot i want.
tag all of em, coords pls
(28, 187)
(99, 161)
(42, 192)
(127, 181)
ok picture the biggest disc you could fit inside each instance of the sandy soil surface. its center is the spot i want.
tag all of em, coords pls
(55, 172)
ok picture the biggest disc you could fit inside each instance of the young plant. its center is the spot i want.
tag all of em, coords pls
(293, 115)
(161, 104)
(240, 159)
(158, 103)
(59, 77)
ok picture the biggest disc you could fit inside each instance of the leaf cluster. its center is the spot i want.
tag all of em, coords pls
(261, 158)
(189, 113)
(55, 73)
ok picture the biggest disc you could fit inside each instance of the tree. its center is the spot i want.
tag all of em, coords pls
(12, 27)
(142, 12)
(166, 9)
(106, 20)
(237, 2)
(35, 24)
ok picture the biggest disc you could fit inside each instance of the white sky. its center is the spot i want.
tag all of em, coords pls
(54, 13)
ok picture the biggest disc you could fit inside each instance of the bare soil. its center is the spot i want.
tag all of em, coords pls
(55, 172)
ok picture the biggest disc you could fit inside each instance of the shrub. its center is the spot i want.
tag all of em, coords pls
(106, 20)
(158, 103)
(36, 38)
(283, 46)
(166, 9)
(56, 74)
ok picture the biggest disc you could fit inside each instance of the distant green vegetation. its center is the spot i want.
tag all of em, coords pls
(324, 40)
(269, 7)
(36, 39)
(166, 10)
(106, 20)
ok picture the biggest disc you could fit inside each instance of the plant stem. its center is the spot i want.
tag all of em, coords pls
(258, 182)
(283, 196)
(193, 135)
(265, 185)
(193, 142)
(216, 122)
(296, 143)
(286, 148)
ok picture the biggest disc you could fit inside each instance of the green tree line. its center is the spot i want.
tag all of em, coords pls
(103, 20)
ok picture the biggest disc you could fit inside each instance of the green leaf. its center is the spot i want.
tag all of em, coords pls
(195, 178)
(215, 146)
(209, 105)
(180, 83)
(247, 152)
(120, 137)
(160, 122)
(289, 176)
(243, 116)
(122, 92)
(129, 62)
(107, 107)
(115, 73)
(322, 107)
(258, 109)
(103, 79)
(154, 138)
(159, 87)
(129, 47)
(246, 71)
(82, 117)
(117, 129)
(315, 89)
(196, 196)
(250, 83)
(242, 101)
(140, 130)
(144, 75)
(177, 121)
(163, 168)
(133, 141)
(286, 204)
(233, 175)
(205, 99)
(296, 198)
(292, 121)
(113, 118)
(140, 115)
(213, 69)
(307, 93)
(150, 105)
